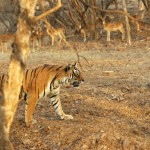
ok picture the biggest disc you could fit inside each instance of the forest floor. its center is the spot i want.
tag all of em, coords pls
(111, 109)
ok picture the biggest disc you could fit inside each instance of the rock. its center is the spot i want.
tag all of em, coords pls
(27, 141)
(108, 73)
(84, 147)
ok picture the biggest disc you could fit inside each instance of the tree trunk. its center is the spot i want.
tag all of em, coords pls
(16, 70)
(141, 8)
(148, 4)
(116, 5)
(128, 29)
(9, 97)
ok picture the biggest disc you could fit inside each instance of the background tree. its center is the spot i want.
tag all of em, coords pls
(128, 29)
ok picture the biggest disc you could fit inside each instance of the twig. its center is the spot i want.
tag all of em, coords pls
(111, 11)
(77, 54)
(48, 12)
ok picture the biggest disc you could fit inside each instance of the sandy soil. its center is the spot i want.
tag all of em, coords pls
(111, 108)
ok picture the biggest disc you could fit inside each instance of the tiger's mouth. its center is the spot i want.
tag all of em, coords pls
(76, 84)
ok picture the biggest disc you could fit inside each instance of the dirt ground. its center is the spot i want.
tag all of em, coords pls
(111, 109)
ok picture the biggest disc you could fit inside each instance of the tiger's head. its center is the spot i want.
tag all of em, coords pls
(74, 75)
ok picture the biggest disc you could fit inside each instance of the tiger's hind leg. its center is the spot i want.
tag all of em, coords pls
(29, 109)
(56, 103)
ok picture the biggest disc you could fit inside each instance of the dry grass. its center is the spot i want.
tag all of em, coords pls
(111, 109)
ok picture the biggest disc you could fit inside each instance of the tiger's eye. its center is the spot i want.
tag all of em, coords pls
(76, 72)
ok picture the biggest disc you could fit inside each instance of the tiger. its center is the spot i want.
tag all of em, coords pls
(44, 81)
(3, 82)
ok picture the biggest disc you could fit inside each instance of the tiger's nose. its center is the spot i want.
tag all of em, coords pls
(82, 80)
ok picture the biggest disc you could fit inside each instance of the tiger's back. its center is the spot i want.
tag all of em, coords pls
(36, 80)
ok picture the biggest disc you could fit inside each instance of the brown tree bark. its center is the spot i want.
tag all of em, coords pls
(116, 5)
(9, 97)
(128, 29)
(16, 69)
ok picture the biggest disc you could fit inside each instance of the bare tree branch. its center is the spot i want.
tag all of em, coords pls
(128, 29)
(111, 11)
(109, 3)
(79, 57)
(145, 4)
(59, 5)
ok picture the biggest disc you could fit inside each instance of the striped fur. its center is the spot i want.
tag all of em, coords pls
(3, 79)
(45, 81)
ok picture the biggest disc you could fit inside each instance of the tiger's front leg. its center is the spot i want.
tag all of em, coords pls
(29, 109)
(56, 103)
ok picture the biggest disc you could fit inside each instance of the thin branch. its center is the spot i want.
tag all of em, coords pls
(68, 24)
(79, 57)
(48, 12)
(81, 14)
(143, 1)
(71, 16)
(77, 54)
(112, 11)
(109, 3)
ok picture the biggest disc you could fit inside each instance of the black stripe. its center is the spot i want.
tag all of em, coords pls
(50, 68)
(25, 96)
(50, 87)
(55, 77)
(52, 82)
(44, 67)
(26, 75)
(21, 92)
(53, 96)
(44, 92)
(36, 77)
(35, 82)
(58, 68)
(2, 79)
(35, 70)
(54, 104)
(38, 93)
(56, 107)
(31, 79)
(26, 102)
(56, 87)
(35, 89)
(35, 74)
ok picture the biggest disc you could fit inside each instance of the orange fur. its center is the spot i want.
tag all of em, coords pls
(45, 81)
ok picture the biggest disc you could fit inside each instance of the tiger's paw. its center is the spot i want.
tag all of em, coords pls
(28, 124)
(66, 117)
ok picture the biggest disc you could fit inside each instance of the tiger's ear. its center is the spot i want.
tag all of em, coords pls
(68, 67)
(75, 65)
